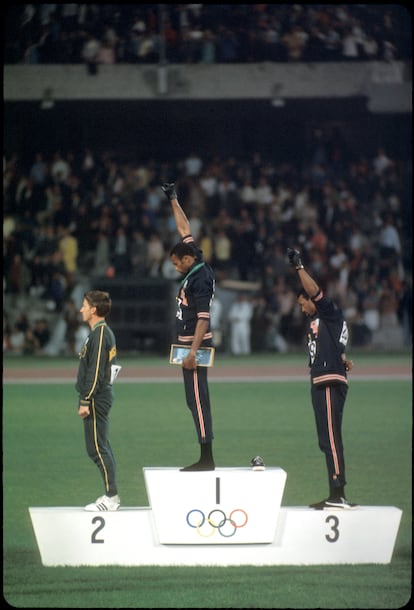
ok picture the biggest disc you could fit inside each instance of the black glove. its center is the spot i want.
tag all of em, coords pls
(169, 190)
(294, 258)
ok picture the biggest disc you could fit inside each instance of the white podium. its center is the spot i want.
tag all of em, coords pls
(229, 516)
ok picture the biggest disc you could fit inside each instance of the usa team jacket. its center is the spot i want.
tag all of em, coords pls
(327, 340)
(97, 354)
(194, 298)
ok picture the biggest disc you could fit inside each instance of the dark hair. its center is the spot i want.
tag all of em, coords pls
(101, 300)
(302, 293)
(180, 250)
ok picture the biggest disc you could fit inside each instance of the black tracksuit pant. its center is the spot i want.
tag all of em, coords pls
(328, 404)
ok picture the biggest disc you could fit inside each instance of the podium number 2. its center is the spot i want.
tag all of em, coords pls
(95, 532)
(334, 528)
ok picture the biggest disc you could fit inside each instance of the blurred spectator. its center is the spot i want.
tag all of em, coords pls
(239, 316)
(227, 45)
(206, 245)
(88, 165)
(350, 47)
(121, 256)
(138, 253)
(60, 168)
(286, 300)
(7, 347)
(208, 48)
(16, 340)
(389, 335)
(390, 247)
(39, 170)
(295, 42)
(106, 54)
(274, 337)
(73, 320)
(259, 325)
(370, 309)
(31, 344)
(57, 284)
(370, 48)
(68, 247)
(90, 53)
(243, 245)
(381, 162)
(222, 253)
(155, 254)
(41, 332)
(248, 193)
(102, 255)
(216, 312)
(264, 194)
(18, 276)
(209, 186)
(193, 164)
(405, 311)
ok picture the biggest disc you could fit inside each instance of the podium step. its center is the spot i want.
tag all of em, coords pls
(70, 536)
(226, 517)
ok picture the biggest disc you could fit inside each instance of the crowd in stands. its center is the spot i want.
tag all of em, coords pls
(103, 33)
(98, 214)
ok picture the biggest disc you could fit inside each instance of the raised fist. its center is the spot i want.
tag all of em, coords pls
(294, 258)
(169, 190)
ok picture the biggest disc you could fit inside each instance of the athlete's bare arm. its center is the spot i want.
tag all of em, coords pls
(190, 362)
(181, 220)
(308, 283)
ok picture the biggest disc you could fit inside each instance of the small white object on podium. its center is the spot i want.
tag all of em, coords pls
(225, 517)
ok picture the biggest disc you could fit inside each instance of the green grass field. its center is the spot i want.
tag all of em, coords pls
(45, 464)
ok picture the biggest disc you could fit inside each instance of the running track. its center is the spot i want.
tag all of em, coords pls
(234, 373)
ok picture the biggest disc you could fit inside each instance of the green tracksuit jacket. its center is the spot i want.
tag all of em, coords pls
(94, 374)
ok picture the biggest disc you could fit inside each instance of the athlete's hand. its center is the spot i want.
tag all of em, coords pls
(169, 190)
(348, 364)
(294, 258)
(190, 362)
(83, 412)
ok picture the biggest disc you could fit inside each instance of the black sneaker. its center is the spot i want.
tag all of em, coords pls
(318, 505)
(199, 467)
(341, 503)
(333, 503)
(257, 463)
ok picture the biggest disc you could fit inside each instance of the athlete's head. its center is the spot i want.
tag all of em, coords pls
(183, 257)
(308, 307)
(100, 300)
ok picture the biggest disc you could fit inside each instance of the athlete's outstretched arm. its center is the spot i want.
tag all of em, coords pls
(308, 283)
(181, 220)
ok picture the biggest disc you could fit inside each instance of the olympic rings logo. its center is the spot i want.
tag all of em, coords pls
(218, 521)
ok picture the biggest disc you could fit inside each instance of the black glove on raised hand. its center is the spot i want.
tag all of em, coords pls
(169, 190)
(294, 258)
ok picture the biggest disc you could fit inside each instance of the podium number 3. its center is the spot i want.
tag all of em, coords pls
(333, 537)
(95, 532)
